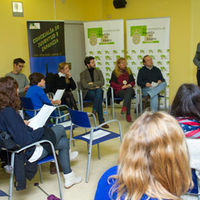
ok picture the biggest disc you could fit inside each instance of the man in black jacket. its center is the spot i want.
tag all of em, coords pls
(151, 81)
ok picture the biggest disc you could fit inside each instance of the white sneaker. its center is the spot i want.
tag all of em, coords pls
(73, 155)
(71, 179)
(8, 169)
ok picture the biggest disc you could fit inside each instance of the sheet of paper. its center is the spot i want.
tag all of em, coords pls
(40, 119)
(58, 95)
(97, 134)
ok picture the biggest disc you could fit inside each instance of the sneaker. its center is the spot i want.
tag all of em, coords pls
(71, 179)
(8, 169)
(73, 155)
(123, 110)
(128, 118)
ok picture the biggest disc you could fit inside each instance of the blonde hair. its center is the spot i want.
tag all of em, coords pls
(117, 70)
(61, 66)
(153, 159)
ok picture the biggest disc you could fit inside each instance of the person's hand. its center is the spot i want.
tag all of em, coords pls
(97, 87)
(90, 83)
(124, 87)
(56, 102)
(159, 81)
(26, 122)
(148, 84)
(69, 75)
(26, 88)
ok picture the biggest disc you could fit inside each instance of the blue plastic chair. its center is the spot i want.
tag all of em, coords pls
(95, 135)
(42, 161)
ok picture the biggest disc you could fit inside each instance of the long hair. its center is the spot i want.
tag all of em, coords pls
(8, 93)
(153, 159)
(117, 70)
(61, 66)
(186, 102)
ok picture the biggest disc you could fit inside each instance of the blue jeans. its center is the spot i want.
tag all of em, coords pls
(96, 96)
(153, 93)
(62, 145)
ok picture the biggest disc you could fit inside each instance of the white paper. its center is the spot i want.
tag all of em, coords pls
(40, 119)
(97, 134)
(58, 95)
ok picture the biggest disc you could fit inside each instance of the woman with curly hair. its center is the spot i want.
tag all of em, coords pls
(22, 134)
(153, 162)
(122, 81)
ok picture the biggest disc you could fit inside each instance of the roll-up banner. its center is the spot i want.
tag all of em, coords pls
(105, 41)
(46, 45)
(149, 37)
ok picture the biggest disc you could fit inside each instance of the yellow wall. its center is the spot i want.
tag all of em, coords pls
(13, 33)
(184, 28)
(179, 11)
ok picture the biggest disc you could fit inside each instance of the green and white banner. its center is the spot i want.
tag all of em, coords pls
(149, 37)
(105, 41)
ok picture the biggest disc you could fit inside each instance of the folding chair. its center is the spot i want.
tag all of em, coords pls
(95, 135)
(194, 151)
(115, 99)
(42, 161)
(163, 94)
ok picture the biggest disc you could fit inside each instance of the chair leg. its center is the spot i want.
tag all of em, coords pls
(40, 172)
(98, 148)
(11, 176)
(88, 163)
(198, 182)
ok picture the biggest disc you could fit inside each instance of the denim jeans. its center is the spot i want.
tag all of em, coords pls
(96, 96)
(153, 93)
(62, 145)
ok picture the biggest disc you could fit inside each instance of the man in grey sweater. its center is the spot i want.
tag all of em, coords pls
(196, 61)
(18, 64)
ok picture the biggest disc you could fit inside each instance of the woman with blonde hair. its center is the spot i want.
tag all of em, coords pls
(64, 80)
(122, 81)
(153, 162)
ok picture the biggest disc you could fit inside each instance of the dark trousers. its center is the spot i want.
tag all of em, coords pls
(126, 95)
(198, 77)
(96, 96)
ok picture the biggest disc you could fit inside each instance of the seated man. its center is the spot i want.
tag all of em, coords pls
(151, 81)
(91, 81)
(18, 64)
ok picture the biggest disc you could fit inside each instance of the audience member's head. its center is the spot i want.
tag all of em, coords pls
(153, 159)
(147, 61)
(187, 102)
(18, 64)
(9, 93)
(90, 62)
(64, 67)
(35, 78)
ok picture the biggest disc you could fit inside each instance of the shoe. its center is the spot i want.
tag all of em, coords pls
(123, 110)
(105, 126)
(128, 118)
(71, 179)
(73, 155)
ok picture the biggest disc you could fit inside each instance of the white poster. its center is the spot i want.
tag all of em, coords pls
(149, 37)
(105, 41)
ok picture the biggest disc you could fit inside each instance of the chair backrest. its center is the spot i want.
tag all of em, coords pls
(50, 83)
(79, 118)
(26, 103)
(194, 151)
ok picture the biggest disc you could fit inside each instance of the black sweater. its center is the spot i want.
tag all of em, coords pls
(146, 75)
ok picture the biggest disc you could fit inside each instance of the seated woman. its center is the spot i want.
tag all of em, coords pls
(186, 108)
(36, 93)
(12, 123)
(150, 165)
(122, 81)
(64, 80)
